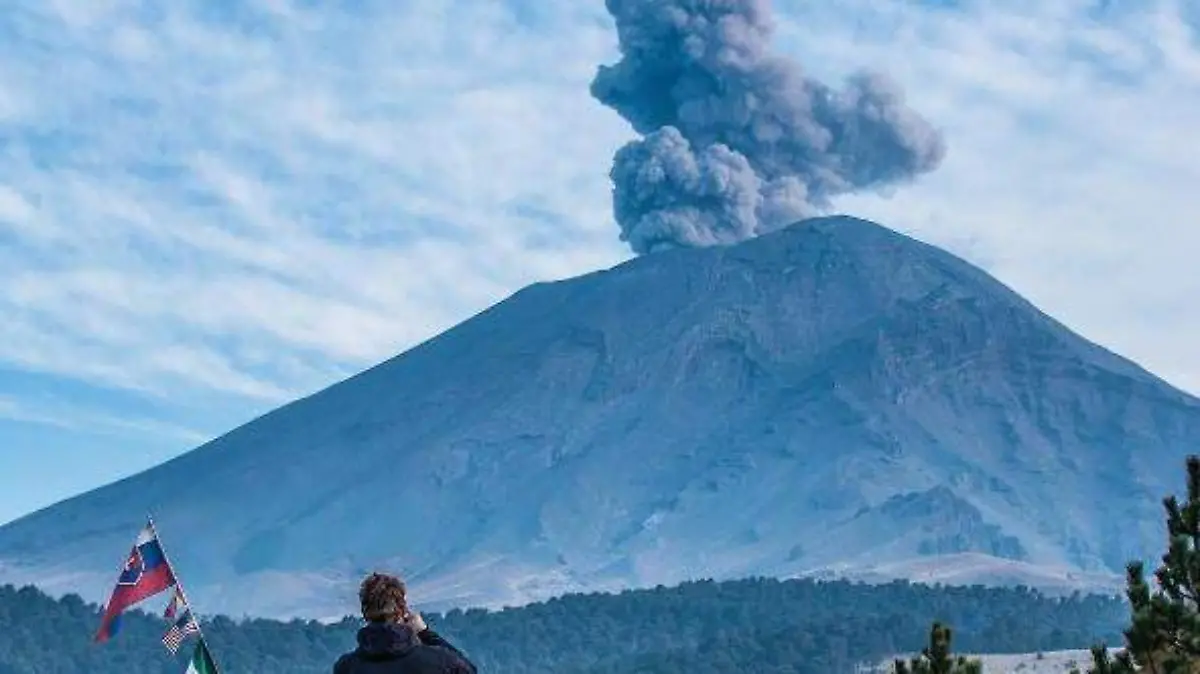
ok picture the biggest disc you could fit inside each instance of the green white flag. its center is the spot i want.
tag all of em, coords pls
(202, 661)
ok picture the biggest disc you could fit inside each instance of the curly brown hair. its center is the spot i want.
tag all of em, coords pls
(383, 598)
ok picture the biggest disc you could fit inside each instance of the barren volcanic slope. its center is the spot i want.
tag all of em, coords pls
(833, 395)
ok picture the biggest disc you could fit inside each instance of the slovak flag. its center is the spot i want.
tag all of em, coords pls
(146, 573)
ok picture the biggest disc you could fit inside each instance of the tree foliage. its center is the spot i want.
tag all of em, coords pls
(936, 658)
(1163, 636)
(702, 627)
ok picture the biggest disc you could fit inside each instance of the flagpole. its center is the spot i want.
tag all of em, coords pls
(179, 584)
(174, 573)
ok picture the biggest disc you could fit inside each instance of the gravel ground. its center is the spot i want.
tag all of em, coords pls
(1053, 662)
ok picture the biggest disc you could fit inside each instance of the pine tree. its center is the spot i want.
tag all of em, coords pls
(936, 659)
(1164, 632)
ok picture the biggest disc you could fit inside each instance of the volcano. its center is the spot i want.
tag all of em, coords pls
(833, 398)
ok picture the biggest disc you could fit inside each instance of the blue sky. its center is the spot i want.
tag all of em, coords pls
(208, 209)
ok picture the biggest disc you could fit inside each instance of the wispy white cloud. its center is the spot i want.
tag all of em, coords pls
(258, 211)
(62, 414)
(1069, 173)
(254, 199)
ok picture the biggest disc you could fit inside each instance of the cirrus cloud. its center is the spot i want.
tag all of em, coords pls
(227, 205)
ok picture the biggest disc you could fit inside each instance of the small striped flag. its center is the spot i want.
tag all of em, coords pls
(184, 625)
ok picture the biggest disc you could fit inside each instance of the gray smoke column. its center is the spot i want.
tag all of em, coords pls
(736, 141)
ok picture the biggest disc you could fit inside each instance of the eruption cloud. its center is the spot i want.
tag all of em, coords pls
(737, 142)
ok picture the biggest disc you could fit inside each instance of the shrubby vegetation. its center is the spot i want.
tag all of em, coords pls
(1163, 632)
(705, 627)
(936, 657)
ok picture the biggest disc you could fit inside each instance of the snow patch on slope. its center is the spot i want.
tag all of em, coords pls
(975, 568)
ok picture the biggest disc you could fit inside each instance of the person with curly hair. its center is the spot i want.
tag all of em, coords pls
(396, 639)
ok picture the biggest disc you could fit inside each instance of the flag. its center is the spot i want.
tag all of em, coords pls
(202, 661)
(145, 574)
(173, 607)
(186, 624)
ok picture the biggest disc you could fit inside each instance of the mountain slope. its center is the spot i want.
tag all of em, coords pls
(830, 396)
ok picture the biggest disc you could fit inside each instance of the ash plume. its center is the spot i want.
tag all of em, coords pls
(736, 141)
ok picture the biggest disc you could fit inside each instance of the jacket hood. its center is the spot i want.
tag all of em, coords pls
(379, 640)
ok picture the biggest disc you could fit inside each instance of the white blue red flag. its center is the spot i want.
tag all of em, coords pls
(173, 607)
(146, 573)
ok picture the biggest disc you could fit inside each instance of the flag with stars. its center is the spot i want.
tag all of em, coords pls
(185, 624)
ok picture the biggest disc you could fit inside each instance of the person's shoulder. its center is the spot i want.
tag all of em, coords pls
(446, 658)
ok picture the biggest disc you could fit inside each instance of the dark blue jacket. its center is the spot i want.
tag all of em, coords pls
(391, 648)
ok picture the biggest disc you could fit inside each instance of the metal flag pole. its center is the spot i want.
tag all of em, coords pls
(179, 586)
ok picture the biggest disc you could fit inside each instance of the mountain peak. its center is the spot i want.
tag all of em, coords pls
(796, 403)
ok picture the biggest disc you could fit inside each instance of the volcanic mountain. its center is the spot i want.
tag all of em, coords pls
(833, 398)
